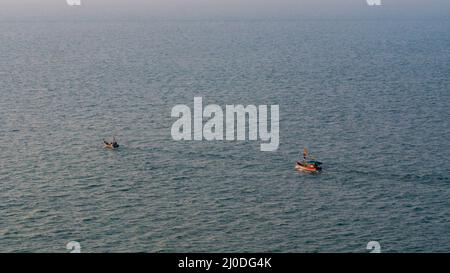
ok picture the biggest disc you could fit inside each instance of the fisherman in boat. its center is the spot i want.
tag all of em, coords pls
(114, 143)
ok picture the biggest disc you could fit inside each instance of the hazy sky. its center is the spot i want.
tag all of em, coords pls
(222, 8)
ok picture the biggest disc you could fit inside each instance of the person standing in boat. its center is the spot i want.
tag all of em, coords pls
(114, 143)
(305, 154)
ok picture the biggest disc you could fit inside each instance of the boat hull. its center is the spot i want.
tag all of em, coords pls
(307, 168)
(111, 147)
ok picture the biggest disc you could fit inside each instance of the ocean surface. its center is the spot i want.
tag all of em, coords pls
(371, 99)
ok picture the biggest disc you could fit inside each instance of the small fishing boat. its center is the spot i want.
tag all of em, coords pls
(308, 165)
(111, 145)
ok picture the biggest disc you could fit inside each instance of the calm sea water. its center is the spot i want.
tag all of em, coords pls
(371, 99)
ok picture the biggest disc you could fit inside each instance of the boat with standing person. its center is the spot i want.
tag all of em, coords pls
(308, 164)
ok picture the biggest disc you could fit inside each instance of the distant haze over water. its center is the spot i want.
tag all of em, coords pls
(224, 9)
